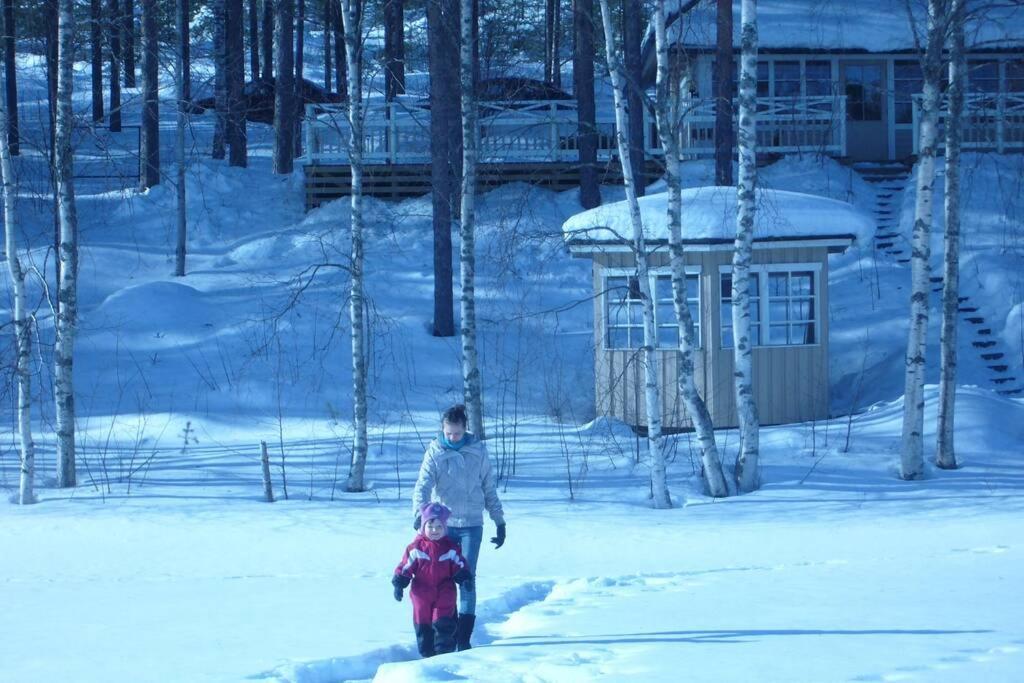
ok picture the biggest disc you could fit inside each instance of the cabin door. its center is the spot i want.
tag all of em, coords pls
(867, 135)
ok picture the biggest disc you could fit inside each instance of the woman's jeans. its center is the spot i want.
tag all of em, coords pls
(469, 537)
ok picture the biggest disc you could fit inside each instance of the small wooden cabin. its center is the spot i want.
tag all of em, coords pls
(794, 235)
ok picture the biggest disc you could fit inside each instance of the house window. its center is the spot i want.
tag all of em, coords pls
(864, 92)
(907, 82)
(726, 309)
(983, 76)
(1015, 75)
(624, 315)
(818, 75)
(787, 79)
(785, 316)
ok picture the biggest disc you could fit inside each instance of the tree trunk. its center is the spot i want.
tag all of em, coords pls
(668, 111)
(96, 52)
(747, 475)
(284, 92)
(632, 35)
(235, 56)
(185, 45)
(11, 78)
(220, 77)
(150, 143)
(586, 109)
(394, 48)
(340, 56)
(556, 47)
(268, 39)
(328, 46)
(254, 40)
(652, 395)
(945, 453)
(114, 38)
(442, 96)
(22, 318)
(67, 292)
(722, 95)
(912, 450)
(128, 42)
(351, 19)
(471, 384)
(300, 67)
(181, 19)
(549, 40)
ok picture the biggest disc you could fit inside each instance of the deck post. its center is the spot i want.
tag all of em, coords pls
(311, 122)
(1001, 122)
(842, 125)
(392, 155)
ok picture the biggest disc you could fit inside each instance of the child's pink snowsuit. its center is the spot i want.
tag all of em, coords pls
(431, 565)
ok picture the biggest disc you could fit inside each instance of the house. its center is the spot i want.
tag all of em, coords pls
(794, 234)
(841, 76)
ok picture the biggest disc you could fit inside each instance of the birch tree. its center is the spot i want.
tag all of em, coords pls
(22, 322)
(181, 19)
(586, 108)
(11, 77)
(652, 397)
(945, 453)
(350, 14)
(149, 150)
(284, 88)
(67, 279)
(471, 385)
(912, 447)
(669, 116)
(743, 374)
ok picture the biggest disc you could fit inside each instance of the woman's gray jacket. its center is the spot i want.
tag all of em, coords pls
(461, 479)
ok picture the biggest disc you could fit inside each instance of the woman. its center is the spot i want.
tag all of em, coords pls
(457, 473)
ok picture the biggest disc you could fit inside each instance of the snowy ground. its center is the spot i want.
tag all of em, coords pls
(163, 565)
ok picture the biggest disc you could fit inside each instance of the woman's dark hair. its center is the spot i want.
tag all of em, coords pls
(455, 415)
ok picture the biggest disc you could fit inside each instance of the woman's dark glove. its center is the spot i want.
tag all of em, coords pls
(399, 582)
(499, 540)
(464, 579)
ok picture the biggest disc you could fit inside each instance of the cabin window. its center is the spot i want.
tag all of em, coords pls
(983, 76)
(1015, 75)
(785, 315)
(864, 92)
(818, 75)
(907, 82)
(787, 79)
(623, 310)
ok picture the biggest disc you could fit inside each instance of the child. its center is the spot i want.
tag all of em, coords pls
(434, 564)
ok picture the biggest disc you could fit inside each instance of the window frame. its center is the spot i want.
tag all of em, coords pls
(762, 271)
(653, 274)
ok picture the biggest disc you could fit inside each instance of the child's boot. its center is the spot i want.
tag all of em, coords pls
(444, 635)
(463, 631)
(425, 639)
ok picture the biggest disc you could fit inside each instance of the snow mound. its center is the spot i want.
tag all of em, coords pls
(157, 307)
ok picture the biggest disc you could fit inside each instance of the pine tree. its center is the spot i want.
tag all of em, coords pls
(586, 108)
(284, 88)
(722, 92)
(96, 61)
(150, 144)
(114, 38)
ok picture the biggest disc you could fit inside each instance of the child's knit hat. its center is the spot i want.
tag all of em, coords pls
(436, 511)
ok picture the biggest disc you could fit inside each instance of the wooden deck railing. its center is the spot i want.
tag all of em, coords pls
(547, 131)
(991, 121)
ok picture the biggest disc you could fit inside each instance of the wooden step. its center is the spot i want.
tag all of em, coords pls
(975, 321)
(999, 368)
(991, 356)
(983, 344)
(968, 309)
(985, 330)
(883, 245)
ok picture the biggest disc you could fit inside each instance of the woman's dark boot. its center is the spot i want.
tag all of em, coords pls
(463, 631)
(425, 639)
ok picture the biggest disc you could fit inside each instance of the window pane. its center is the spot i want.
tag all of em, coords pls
(907, 69)
(777, 284)
(777, 311)
(802, 334)
(636, 314)
(787, 71)
(755, 310)
(617, 338)
(800, 284)
(1015, 75)
(727, 338)
(692, 286)
(616, 287)
(777, 335)
(634, 289)
(726, 286)
(668, 337)
(666, 314)
(618, 314)
(755, 334)
(663, 287)
(694, 313)
(726, 313)
(983, 76)
(800, 309)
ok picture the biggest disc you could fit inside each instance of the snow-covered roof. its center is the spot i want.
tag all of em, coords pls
(843, 25)
(709, 217)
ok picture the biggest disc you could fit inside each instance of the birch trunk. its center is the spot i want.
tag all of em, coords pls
(351, 19)
(743, 374)
(11, 77)
(22, 322)
(668, 115)
(181, 19)
(586, 109)
(114, 38)
(220, 77)
(652, 396)
(67, 281)
(945, 453)
(150, 144)
(912, 451)
(471, 385)
(284, 88)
